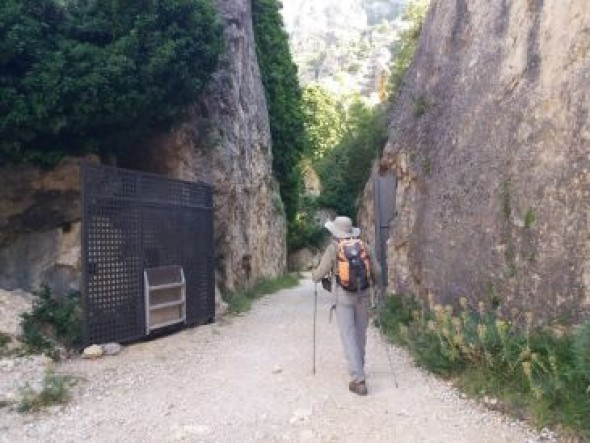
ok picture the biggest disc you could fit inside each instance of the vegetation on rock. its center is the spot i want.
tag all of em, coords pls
(284, 99)
(52, 321)
(97, 76)
(403, 52)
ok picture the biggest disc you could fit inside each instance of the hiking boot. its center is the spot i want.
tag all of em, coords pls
(358, 387)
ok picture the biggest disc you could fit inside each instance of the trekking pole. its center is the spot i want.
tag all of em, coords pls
(384, 339)
(315, 312)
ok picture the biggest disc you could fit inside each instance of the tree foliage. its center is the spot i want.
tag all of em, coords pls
(94, 76)
(403, 52)
(284, 98)
(345, 169)
(325, 119)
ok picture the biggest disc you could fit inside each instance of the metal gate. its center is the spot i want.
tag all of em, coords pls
(134, 221)
(384, 190)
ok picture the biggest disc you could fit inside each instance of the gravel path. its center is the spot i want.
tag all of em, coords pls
(248, 379)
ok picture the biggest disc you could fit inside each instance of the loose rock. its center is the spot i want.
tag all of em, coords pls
(111, 349)
(94, 351)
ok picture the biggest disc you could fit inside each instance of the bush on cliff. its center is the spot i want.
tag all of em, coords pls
(284, 98)
(97, 76)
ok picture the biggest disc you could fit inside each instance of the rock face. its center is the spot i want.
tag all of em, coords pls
(39, 226)
(490, 141)
(12, 305)
(226, 142)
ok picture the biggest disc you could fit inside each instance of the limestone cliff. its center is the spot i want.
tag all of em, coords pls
(225, 141)
(40, 226)
(490, 141)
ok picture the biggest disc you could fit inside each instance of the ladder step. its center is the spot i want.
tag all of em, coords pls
(166, 305)
(166, 286)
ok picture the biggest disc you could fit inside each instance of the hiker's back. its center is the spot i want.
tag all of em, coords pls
(353, 265)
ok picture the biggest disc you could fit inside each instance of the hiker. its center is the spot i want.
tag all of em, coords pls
(351, 304)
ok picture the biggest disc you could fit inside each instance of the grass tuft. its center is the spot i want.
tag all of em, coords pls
(55, 390)
(530, 217)
(51, 321)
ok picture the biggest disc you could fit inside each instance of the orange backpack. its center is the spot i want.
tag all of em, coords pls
(354, 267)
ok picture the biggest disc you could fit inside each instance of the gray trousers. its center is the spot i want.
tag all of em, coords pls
(352, 315)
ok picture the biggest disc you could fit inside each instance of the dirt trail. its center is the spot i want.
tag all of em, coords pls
(248, 379)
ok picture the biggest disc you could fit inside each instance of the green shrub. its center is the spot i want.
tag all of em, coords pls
(55, 390)
(325, 120)
(396, 313)
(284, 98)
(431, 352)
(304, 232)
(98, 76)
(530, 217)
(52, 320)
(345, 169)
(420, 105)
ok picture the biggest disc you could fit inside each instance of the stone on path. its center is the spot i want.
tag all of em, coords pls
(111, 348)
(94, 351)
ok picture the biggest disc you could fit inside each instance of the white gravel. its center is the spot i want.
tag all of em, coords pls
(249, 379)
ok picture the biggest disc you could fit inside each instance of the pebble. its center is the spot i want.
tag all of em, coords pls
(111, 349)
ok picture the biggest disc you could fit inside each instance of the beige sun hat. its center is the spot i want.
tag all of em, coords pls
(341, 227)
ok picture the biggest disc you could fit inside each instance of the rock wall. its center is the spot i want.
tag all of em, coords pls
(39, 226)
(490, 141)
(226, 142)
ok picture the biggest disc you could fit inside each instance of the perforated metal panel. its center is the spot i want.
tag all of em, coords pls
(133, 221)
